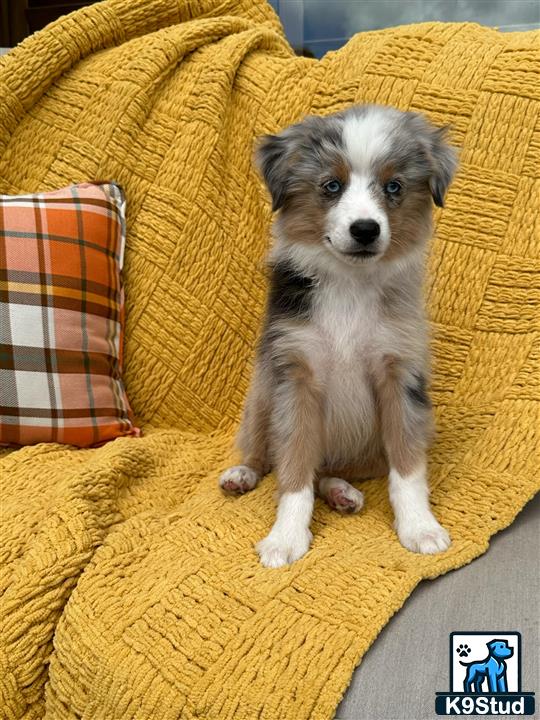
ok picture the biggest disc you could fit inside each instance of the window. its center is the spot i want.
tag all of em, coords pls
(314, 27)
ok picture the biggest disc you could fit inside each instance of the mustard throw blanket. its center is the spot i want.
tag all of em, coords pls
(130, 586)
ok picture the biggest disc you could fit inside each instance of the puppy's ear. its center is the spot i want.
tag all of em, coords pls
(443, 159)
(293, 157)
(271, 157)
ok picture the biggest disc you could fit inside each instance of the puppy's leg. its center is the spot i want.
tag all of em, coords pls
(339, 494)
(297, 448)
(252, 437)
(406, 421)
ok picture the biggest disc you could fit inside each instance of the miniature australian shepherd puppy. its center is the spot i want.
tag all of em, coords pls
(339, 390)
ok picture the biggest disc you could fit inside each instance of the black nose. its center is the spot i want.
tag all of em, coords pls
(365, 231)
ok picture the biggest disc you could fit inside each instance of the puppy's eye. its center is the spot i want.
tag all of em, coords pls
(332, 187)
(392, 187)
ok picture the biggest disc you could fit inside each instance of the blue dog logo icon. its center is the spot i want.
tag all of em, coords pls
(491, 686)
(492, 669)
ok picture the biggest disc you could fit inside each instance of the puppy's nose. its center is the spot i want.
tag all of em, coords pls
(365, 231)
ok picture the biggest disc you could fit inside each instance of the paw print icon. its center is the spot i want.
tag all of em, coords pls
(463, 650)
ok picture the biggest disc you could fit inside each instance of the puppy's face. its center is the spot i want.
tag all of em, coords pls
(359, 183)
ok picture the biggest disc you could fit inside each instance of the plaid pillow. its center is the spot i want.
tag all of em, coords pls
(61, 313)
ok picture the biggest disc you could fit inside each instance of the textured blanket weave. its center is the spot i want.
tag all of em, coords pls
(130, 587)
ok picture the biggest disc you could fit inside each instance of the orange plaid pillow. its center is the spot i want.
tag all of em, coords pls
(61, 317)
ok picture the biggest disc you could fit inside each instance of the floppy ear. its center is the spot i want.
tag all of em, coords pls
(286, 159)
(443, 161)
(271, 157)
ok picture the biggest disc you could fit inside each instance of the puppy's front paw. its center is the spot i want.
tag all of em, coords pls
(238, 480)
(427, 538)
(278, 549)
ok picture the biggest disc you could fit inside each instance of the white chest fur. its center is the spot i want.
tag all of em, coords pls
(351, 330)
(348, 318)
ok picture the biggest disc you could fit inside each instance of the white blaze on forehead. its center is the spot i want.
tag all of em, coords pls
(365, 138)
(357, 202)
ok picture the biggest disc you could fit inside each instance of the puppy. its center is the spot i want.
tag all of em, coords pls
(339, 389)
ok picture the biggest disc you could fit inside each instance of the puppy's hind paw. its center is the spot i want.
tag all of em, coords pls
(238, 480)
(341, 495)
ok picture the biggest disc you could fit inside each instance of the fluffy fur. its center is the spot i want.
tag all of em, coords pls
(339, 390)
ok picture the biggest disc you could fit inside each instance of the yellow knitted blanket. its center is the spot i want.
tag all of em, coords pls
(130, 587)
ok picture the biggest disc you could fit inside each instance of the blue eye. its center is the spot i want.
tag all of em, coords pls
(332, 187)
(392, 187)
